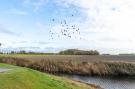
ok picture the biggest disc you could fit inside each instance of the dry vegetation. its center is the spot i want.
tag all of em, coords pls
(81, 65)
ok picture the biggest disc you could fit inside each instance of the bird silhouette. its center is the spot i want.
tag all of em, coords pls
(67, 30)
(53, 20)
(65, 21)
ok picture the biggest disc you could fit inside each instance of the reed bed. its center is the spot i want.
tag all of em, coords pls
(70, 65)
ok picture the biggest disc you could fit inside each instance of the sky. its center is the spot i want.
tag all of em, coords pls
(105, 25)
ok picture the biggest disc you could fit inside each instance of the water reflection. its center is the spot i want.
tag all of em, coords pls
(107, 83)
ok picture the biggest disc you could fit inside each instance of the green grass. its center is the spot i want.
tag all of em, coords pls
(25, 78)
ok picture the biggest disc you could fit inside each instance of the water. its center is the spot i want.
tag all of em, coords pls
(107, 83)
(3, 70)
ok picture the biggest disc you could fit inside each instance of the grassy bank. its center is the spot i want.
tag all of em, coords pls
(81, 65)
(24, 78)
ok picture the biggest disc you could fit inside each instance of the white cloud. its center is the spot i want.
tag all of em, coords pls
(17, 12)
(40, 26)
(37, 4)
(112, 20)
(26, 1)
(5, 30)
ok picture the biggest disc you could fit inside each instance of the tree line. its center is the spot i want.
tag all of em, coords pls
(78, 52)
(65, 52)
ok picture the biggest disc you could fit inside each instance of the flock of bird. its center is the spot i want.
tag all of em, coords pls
(66, 30)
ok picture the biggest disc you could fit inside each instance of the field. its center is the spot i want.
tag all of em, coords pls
(25, 78)
(88, 58)
(75, 64)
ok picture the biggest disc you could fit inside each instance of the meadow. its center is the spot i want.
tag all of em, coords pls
(110, 65)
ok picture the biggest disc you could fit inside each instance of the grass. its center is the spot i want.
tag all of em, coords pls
(75, 64)
(25, 78)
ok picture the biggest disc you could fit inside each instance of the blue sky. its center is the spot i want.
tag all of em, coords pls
(105, 25)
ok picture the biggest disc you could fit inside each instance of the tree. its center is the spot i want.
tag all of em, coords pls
(22, 52)
(79, 52)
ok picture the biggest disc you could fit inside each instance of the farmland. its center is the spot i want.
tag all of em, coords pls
(88, 58)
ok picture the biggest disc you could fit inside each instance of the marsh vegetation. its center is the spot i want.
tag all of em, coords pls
(75, 64)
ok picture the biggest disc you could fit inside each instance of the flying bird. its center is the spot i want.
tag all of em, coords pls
(65, 21)
(69, 31)
(53, 20)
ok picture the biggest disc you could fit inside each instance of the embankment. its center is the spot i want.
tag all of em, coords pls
(25, 78)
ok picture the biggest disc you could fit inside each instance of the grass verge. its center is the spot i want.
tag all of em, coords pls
(25, 78)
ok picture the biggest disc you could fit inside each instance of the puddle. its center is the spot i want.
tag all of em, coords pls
(4, 70)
